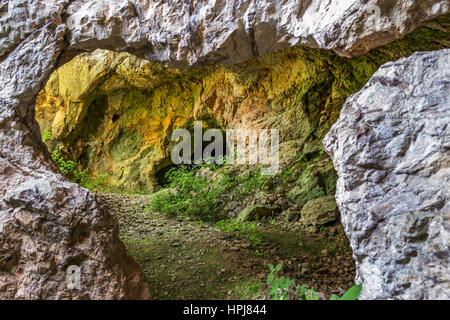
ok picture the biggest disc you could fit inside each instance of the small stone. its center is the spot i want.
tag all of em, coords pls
(319, 211)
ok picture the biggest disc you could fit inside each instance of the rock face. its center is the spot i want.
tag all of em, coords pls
(390, 147)
(317, 180)
(319, 212)
(114, 113)
(48, 225)
(228, 31)
(40, 212)
(254, 212)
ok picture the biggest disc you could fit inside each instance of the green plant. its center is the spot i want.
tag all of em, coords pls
(283, 288)
(252, 181)
(280, 288)
(47, 135)
(244, 229)
(351, 294)
(191, 195)
(70, 170)
(307, 294)
(96, 183)
(254, 287)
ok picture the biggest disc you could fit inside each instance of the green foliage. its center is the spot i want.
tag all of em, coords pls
(280, 288)
(351, 294)
(95, 183)
(191, 195)
(253, 181)
(47, 135)
(244, 229)
(70, 170)
(283, 288)
(142, 191)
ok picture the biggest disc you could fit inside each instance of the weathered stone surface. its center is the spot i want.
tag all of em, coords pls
(319, 212)
(206, 32)
(254, 212)
(317, 179)
(48, 224)
(390, 148)
(35, 36)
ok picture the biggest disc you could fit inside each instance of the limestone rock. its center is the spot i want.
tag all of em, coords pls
(48, 225)
(254, 212)
(319, 212)
(391, 148)
(228, 31)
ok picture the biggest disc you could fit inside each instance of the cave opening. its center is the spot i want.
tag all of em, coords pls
(101, 222)
(167, 164)
(111, 132)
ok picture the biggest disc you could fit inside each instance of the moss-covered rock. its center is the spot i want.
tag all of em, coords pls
(319, 212)
(254, 212)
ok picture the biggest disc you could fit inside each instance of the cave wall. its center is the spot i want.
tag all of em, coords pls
(114, 113)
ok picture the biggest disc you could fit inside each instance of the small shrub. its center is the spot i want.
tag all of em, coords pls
(70, 170)
(188, 194)
(283, 288)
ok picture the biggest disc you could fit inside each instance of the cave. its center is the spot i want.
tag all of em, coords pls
(117, 125)
(86, 141)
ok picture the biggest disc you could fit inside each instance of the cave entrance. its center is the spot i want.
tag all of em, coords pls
(167, 164)
(109, 129)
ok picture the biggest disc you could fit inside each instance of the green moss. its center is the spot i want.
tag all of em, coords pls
(127, 144)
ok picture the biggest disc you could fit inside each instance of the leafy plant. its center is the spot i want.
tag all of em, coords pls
(191, 195)
(70, 170)
(283, 288)
(280, 288)
(47, 135)
(351, 294)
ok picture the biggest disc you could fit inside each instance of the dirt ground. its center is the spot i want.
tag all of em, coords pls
(185, 259)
